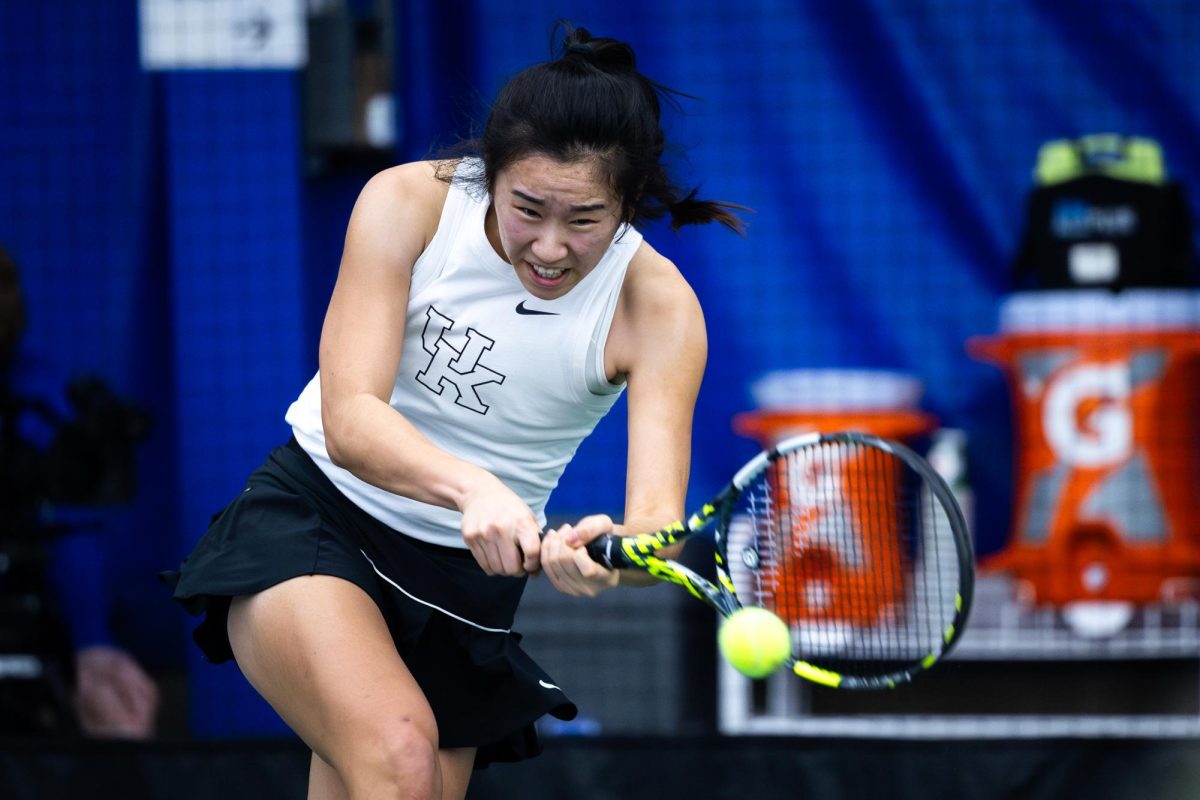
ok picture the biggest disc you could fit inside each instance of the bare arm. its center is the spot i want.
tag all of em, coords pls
(361, 344)
(658, 340)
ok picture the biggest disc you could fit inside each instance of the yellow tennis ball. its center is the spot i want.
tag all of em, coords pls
(754, 641)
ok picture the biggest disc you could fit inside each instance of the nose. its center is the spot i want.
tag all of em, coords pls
(549, 247)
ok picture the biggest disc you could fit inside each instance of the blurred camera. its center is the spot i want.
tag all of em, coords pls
(92, 459)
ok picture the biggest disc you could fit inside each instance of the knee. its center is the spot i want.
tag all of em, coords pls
(410, 752)
(403, 761)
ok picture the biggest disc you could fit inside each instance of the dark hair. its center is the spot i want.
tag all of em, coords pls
(592, 102)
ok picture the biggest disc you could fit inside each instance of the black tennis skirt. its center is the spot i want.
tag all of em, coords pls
(452, 624)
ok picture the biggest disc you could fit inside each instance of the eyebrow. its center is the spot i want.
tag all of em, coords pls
(531, 199)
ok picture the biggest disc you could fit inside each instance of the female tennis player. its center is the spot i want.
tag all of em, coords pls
(489, 310)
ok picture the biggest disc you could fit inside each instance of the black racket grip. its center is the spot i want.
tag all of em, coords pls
(605, 550)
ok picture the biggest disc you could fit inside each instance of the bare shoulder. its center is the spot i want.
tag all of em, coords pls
(414, 176)
(654, 286)
(410, 195)
(657, 312)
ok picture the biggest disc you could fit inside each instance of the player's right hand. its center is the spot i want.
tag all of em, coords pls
(500, 530)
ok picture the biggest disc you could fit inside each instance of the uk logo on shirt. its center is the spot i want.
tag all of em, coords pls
(456, 368)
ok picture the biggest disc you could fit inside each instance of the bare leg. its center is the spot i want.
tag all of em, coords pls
(319, 651)
(457, 766)
(323, 781)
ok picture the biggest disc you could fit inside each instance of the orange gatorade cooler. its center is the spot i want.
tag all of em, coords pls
(1106, 395)
(833, 585)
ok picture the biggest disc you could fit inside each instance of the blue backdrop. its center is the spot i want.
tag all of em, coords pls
(171, 240)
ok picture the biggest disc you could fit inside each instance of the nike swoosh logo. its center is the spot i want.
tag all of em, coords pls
(521, 309)
(548, 685)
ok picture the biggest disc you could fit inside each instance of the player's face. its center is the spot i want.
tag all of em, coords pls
(552, 221)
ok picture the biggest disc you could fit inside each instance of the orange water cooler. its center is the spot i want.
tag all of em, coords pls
(1106, 395)
(834, 587)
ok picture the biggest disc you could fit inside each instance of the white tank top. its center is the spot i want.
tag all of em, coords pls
(483, 375)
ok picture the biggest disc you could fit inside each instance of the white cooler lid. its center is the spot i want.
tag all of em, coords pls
(836, 390)
(1091, 309)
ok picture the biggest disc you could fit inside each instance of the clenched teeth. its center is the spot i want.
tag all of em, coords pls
(548, 274)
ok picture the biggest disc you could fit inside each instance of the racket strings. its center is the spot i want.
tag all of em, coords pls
(848, 545)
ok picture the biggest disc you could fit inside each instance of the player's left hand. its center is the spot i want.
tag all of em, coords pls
(567, 564)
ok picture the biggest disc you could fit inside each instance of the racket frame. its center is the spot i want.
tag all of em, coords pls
(641, 552)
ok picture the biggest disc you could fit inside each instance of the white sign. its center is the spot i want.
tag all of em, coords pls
(222, 34)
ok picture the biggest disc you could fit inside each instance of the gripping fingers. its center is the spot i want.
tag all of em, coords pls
(506, 551)
(561, 567)
(595, 577)
(529, 550)
(478, 549)
(570, 568)
(488, 554)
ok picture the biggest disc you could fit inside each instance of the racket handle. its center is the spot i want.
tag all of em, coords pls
(606, 551)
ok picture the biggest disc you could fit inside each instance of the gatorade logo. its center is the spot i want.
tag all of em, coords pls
(1086, 415)
(456, 368)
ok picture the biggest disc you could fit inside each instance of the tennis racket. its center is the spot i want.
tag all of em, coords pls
(853, 540)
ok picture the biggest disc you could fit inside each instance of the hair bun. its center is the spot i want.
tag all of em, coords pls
(607, 54)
